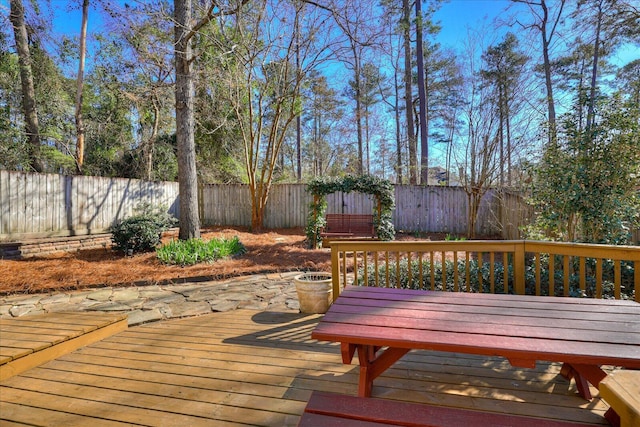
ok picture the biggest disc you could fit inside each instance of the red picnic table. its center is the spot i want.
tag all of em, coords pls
(382, 325)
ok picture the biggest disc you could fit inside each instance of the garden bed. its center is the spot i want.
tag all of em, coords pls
(271, 251)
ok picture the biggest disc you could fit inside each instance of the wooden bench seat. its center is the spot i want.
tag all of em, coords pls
(328, 409)
(345, 226)
(621, 390)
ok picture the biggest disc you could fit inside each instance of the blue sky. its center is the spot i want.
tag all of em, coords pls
(458, 15)
(455, 17)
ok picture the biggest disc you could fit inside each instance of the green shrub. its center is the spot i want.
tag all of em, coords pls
(141, 232)
(194, 251)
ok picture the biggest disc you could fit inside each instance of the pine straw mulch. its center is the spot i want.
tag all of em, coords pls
(267, 252)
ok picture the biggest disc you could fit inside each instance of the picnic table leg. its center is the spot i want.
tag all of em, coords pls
(612, 416)
(347, 350)
(583, 375)
(373, 364)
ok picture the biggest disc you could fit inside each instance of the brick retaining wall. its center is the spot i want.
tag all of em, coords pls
(39, 247)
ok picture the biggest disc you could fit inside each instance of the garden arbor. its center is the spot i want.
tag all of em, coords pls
(381, 189)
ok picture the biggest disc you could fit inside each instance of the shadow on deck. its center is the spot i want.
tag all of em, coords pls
(259, 368)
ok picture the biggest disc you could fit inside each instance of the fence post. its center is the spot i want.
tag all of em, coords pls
(518, 268)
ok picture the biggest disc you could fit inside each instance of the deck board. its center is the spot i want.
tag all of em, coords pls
(252, 368)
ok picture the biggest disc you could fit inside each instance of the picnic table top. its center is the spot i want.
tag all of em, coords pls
(521, 328)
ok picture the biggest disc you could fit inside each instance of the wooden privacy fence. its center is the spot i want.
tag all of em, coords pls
(39, 205)
(520, 267)
(42, 205)
(418, 209)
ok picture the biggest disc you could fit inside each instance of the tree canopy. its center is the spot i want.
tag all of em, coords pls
(289, 91)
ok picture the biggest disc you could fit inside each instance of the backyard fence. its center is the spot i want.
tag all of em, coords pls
(40, 205)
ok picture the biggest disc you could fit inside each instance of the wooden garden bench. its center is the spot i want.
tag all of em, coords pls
(341, 226)
(328, 409)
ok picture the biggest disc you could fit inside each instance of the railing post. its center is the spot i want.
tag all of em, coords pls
(518, 268)
(335, 270)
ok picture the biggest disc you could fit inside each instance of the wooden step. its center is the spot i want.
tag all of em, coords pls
(30, 341)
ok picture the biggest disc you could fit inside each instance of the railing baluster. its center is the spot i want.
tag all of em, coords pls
(397, 269)
(355, 268)
(432, 271)
(617, 274)
(444, 271)
(344, 268)
(599, 278)
(376, 268)
(505, 272)
(552, 275)
(365, 267)
(480, 266)
(421, 269)
(467, 269)
(565, 275)
(492, 281)
(409, 269)
(583, 274)
(636, 279)
(386, 267)
(538, 273)
(455, 271)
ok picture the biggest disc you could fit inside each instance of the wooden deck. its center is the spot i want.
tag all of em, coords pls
(259, 368)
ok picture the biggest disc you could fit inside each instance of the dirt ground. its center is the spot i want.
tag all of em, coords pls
(271, 251)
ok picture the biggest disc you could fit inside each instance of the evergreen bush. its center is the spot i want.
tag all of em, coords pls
(141, 232)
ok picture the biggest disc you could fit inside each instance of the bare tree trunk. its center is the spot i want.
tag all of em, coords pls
(152, 141)
(32, 127)
(546, 42)
(188, 179)
(356, 71)
(594, 70)
(408, 95)
(79, 87)
(547, 74)
(508, 125)
(501, 130)
(298, 118)
(366, 138)
(422, 98)
(396, 110)
(474, 197)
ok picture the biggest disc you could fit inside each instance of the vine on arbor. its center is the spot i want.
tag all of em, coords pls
(381, 189)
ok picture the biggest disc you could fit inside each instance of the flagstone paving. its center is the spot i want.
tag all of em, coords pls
(265, 292)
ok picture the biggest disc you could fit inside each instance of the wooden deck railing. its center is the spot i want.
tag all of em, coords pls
(520, 267)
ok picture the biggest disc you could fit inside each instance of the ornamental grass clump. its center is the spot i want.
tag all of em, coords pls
(195, 251)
